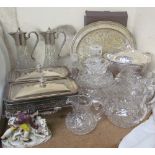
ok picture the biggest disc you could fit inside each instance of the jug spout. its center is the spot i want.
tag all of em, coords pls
(12, 35)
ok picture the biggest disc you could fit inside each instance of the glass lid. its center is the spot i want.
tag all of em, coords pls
(133, 57)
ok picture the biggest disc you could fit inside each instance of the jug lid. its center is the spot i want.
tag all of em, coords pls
(49, 36)
(19, 31)
(19, 37)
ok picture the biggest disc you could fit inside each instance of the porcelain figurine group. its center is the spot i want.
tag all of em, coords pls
(25, 130)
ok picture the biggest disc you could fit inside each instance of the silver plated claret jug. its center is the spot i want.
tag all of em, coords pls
(51, 51)
(25, 57)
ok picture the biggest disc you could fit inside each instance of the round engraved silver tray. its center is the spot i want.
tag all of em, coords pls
(113, 37)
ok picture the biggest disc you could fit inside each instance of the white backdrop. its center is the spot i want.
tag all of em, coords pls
(31, 18)
(8, 18)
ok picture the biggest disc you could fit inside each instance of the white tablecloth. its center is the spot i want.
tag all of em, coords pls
(143, 136)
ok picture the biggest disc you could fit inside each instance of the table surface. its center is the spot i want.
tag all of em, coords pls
(105, 135)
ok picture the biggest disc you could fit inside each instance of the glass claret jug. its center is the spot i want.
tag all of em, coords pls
(25, 57)
(85, 115)
(129, 98)
(51, 51)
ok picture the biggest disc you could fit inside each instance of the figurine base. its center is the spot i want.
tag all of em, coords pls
(36, 139)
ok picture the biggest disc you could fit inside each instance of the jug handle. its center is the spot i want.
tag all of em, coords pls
(37, 40)
(63, 43)
(98, 116)
(69, 102)
(152, 101)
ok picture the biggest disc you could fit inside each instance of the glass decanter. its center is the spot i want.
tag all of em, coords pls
(129, 98)
(25, 57)
(93, 71)
(85, 115)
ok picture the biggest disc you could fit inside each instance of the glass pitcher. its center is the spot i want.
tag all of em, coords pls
(25, 57)
(129, 98)
(85, 115)
(51, 51)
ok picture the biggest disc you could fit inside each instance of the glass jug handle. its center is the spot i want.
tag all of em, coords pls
(152, 101)
(98, 109)
(64, 40)
(37, 40)
(72, 104)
